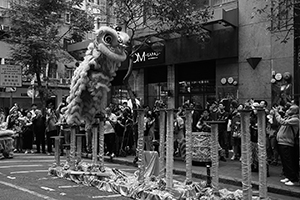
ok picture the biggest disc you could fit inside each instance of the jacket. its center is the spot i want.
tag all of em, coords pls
(288, 129)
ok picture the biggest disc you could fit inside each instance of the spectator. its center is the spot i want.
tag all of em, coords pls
(236, 132)
(51, 130)
(222, 115)
(28, 133)
(109, 132)
(38, 122)
(288, 143)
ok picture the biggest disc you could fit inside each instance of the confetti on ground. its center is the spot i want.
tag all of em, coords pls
(48, 189)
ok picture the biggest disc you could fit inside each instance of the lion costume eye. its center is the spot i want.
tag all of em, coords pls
(108, 39)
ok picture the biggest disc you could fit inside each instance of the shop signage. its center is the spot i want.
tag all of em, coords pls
(148, 56)
(10, 76)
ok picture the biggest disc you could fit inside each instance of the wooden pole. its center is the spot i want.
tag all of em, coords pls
(262, 153)
(101, 143)
(95, 143)
(140, 147)
(189, 146)
(246, 167)
(72, 147)
(215, 154)
(170, 149)
(162, 146)
(57, 149)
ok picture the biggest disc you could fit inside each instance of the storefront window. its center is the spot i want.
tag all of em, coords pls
(157, 92)
(199, 92)
(119, 94)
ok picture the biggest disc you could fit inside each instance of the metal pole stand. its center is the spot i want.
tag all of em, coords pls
(170, 150)
(246, 166)
(57, 149)
(140, 145)
(73, 146)
(79, 147)
(162, 145)
(189, 147)
(101, 143)
(95, 133)
(262, 153)
(215, 153)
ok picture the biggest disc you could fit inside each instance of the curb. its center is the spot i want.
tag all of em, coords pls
(222, 179)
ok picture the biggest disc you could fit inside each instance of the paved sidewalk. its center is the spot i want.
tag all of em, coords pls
(229, 173)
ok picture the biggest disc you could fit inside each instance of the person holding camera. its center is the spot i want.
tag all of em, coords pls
(288, 144)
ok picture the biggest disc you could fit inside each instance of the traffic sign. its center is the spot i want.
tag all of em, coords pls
(10, 76)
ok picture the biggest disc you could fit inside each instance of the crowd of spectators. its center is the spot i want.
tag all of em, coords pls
(31, 127)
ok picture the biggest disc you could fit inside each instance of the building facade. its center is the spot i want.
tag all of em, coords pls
(242, 60)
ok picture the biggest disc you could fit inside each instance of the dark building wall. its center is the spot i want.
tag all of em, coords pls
(223, 44)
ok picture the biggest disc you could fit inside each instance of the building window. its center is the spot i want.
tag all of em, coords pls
(69, 73)
(68, 18)
(52, 71)
(157, 92)
(199, 92)
(119, 94)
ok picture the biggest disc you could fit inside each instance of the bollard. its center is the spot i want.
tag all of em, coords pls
(140, 145)
(261, 122)
(246, 166)
(72, 147)
(170, 149)
(189, 145)
(162, 146)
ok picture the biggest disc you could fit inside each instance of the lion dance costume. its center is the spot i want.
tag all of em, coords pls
(93, 76)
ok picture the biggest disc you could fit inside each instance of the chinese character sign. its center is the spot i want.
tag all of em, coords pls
(10, 76)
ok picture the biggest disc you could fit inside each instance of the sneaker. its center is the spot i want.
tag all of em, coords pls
(284, 180)
(290, 183)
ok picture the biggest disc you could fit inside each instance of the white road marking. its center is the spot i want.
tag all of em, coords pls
(20, 161)
(11, 166)
(26, 190)
(109, 196)
(30, 171)
(69, 186)
(47, 188)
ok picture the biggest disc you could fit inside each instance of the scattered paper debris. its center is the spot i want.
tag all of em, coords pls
(44, 178)
(11, 177)
(62, 194)
(48, 189)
